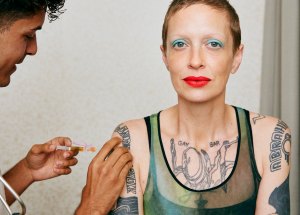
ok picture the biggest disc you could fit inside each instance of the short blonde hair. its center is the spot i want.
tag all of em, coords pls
(221, 5)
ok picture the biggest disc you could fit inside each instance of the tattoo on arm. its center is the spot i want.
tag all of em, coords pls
(278, 144)
(286, 144)
(126, 206)
(280, 198)
(131, 182)
(123, 131)
(258, 117)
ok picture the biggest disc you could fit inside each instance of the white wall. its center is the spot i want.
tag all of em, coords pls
(99, 65)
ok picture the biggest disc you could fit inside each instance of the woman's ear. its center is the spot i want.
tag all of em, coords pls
(238, 56)
(164, 57)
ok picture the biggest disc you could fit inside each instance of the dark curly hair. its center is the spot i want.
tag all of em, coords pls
(13, 10)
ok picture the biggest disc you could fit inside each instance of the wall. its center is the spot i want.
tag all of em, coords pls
(98, 65)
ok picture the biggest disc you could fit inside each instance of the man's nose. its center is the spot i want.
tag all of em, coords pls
(32, 46)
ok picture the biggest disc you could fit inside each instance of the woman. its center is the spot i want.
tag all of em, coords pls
(203, 156)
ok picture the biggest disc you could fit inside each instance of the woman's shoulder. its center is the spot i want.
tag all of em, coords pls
(134, 136)
(271, 139)
(265, 124)
(135, 128)
(132, 125)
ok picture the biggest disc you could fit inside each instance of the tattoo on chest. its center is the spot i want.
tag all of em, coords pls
(183, 143)
(123, 131)
(201, 171)
(279, 143)
(201, 202)
(280, 198)
(215, 143)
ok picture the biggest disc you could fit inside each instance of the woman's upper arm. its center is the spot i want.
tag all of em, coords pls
(274, 144)
(131, 197)
(130, 200)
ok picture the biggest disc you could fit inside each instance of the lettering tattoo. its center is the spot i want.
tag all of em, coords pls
(183, 143)
(276, 146)
(215, 143)
(126, 206)
(123, 131)
(280, 198)
(199, 170)
(131, 182)
(258, 117)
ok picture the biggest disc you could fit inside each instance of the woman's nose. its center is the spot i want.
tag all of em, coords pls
(197, 58)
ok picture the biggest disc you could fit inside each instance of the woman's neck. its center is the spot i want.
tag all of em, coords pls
(200, 123)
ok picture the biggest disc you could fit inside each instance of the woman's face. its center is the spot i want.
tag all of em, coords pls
(199, 53)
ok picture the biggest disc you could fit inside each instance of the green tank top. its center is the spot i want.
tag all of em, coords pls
(166, 195)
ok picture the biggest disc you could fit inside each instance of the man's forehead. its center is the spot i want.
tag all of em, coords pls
(32, 23)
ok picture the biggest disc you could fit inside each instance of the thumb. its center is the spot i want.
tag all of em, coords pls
(43, 148)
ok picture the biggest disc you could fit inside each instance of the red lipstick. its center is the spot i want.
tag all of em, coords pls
(197, 81)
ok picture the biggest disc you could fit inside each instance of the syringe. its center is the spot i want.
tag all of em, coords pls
(77, 148)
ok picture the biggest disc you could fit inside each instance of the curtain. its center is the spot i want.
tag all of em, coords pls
(280, 77)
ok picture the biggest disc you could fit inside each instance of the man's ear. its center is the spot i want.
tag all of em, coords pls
(238, 56)
(164, 57)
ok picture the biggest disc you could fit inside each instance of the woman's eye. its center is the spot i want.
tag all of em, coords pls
(178, 44)
(215, 44)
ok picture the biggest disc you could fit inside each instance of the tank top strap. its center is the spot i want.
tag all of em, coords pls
(257, 177)
(153, 138)
(246, 133)
(241, 121)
